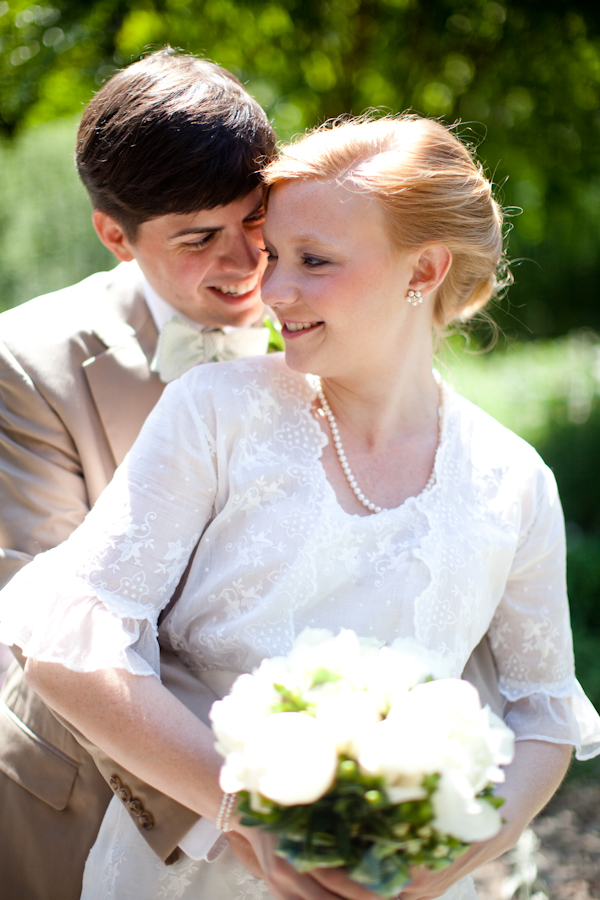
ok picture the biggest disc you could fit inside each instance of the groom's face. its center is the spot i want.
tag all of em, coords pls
(207, 265)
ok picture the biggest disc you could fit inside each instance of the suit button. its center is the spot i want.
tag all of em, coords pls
(115, 783)
(146, 821)
(125, 794)
(135, 807)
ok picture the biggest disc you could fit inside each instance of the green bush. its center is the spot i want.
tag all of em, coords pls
(46, 236)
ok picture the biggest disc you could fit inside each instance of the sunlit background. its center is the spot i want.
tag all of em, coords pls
(523, 78)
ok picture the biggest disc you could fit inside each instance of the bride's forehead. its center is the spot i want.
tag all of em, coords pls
(316, 199)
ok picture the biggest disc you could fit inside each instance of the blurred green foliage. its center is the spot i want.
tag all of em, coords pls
(46, 236)
(524, 73)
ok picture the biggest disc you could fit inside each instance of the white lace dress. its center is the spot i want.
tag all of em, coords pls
(232, 454)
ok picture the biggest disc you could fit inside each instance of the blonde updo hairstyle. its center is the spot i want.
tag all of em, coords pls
(431, 190)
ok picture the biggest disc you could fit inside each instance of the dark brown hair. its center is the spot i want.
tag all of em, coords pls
(171, 134)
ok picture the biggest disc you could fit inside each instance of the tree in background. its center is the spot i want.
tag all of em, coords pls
(524, 75)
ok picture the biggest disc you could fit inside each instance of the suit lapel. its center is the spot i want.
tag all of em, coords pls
(124, 389)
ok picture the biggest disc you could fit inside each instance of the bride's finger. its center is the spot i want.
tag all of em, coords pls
(340, 884)
(244, 853)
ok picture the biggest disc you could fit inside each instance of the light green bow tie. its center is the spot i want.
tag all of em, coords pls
(180, 347)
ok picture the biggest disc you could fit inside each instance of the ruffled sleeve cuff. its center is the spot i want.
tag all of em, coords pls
(81, 629)
(558, 720)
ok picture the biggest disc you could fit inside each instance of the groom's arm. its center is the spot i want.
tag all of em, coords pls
(43, 498)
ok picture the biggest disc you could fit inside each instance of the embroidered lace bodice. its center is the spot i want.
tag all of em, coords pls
(231, 455)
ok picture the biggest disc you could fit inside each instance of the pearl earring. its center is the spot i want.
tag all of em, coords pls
(414, 298)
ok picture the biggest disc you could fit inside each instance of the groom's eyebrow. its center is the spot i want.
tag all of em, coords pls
(210, 229)
(197, 230)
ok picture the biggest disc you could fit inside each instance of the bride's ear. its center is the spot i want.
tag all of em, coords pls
(431, 268)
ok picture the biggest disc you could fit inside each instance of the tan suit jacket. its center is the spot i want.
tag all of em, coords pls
(75, 389)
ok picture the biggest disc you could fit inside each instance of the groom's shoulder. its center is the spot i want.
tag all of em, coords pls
(74, 312)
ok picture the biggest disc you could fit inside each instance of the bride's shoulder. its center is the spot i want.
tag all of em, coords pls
(490, 444)
(229, 386)
(238, 372)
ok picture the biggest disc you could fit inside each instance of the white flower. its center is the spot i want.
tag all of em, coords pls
(440, 728)
(347, 716)
(288, 758)
(397, 669)
(470, 739)
(402, 751)
(459, 813)
(316, 651)
(235, 717)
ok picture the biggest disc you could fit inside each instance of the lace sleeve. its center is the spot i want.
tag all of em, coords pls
(93, 602)
(530, 634)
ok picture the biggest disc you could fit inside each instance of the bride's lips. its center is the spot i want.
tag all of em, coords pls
(290, 335)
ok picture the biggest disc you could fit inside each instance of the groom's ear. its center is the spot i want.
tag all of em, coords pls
(112, 235)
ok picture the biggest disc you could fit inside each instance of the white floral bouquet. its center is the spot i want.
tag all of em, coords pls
(362, 756)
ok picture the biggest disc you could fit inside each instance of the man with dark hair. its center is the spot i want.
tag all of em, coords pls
(170, 151)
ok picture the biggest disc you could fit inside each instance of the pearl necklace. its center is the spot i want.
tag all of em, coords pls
(337, 443)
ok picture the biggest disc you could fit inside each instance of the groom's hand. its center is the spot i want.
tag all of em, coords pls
(244, 853)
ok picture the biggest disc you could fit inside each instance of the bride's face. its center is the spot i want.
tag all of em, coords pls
(334, 280)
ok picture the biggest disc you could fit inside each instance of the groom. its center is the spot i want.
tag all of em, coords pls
(169, 151)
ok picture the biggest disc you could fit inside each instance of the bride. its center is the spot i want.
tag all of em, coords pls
(341, 485)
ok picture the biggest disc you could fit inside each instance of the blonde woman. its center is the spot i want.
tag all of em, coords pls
(340, 485)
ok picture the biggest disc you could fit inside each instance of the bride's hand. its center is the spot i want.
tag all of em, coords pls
(426, 885)
(244, 853)
(285, 883)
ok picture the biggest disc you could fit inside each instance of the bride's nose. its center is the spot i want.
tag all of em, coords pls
(277, 289)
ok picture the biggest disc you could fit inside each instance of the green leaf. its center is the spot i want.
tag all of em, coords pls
(368, 871)
(276, 342)
(323, 675)
(291, 700)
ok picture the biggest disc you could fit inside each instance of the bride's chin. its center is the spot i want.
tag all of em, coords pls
(299, 362)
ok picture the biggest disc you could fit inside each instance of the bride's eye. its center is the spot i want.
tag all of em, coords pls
(270, 255)
(314, 262)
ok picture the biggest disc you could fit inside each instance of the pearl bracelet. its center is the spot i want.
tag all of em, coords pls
(225, 810)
